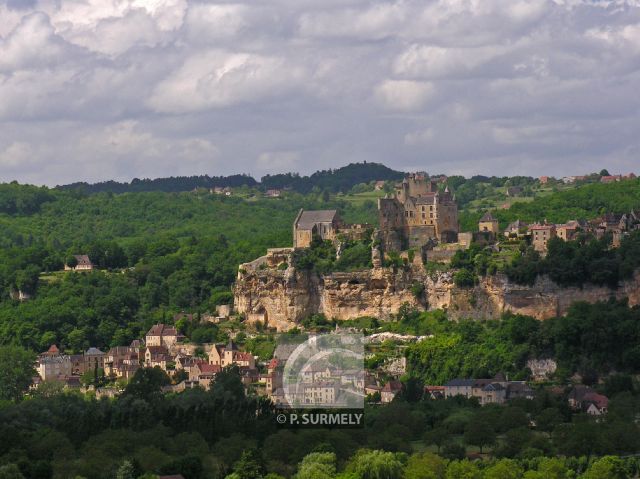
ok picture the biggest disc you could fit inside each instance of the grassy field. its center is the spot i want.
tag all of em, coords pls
(359, 199)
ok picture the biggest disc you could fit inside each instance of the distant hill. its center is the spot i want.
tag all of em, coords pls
(341, 179)
(173, 184)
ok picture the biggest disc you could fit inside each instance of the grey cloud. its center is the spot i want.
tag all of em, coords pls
(99, 89)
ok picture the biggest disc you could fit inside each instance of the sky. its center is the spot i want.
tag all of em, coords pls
(93, 90)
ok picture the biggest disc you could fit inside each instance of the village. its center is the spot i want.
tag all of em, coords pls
(164, 348)
(104, 374)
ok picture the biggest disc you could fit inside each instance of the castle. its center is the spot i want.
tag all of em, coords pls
(418, 215)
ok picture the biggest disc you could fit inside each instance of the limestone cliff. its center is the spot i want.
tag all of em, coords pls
(281, 298)
(271, 291)
(496, 294)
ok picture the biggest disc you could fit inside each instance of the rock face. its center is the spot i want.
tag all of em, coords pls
(545, 299)
(282, 297)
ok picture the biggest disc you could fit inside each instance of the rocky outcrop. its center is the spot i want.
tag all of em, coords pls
(282, 296)
(545, 299)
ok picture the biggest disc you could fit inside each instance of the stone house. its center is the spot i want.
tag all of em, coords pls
(434, 392)
(492, 393)
(517, 229)
(77, 364)
(227, 355)
(216, 354)
(390, 391)
(540, 236)
(585, 399)
(163, 335)
(496, 390)
(93, 357)
(595, 404)
(310, 374)
(488, 224)
(320, 393)
(324, 223)
(273, 381)
(354, 378)
(53, 364)
(568, 231)
(204, 373)
(122, 361)
(157, 356)
(83, 263)
(459, 387)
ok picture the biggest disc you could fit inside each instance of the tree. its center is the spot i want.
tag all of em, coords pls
(126, 471)
(480, 432)
(551, 468)
(317, 465)
(10, 471)
(464, 278)
(607, 467)
(548, 419)
(27, 279)
(425, 466)
(376, 465)
(71, 261)
(249, 466)
(438, 436)
(147, 383)
(16, 372)
(504, 469)
(463, 470)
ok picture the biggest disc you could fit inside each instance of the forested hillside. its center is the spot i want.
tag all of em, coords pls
(158, 253)
(340, 179)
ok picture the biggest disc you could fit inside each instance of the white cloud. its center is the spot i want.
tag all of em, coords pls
(278, 161)
(93, 89)
(217, 78)
(404, 95)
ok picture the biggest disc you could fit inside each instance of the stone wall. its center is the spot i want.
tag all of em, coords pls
(286, 297)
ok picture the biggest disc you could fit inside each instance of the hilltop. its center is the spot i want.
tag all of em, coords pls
(339, 179)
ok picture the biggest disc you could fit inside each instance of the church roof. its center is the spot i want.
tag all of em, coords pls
(310, 218)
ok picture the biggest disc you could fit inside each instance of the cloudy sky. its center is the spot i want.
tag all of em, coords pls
(116, 89)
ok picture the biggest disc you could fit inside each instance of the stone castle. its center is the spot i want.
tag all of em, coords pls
(418, 215)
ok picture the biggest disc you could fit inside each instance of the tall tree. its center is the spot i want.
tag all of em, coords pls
(16, 372)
